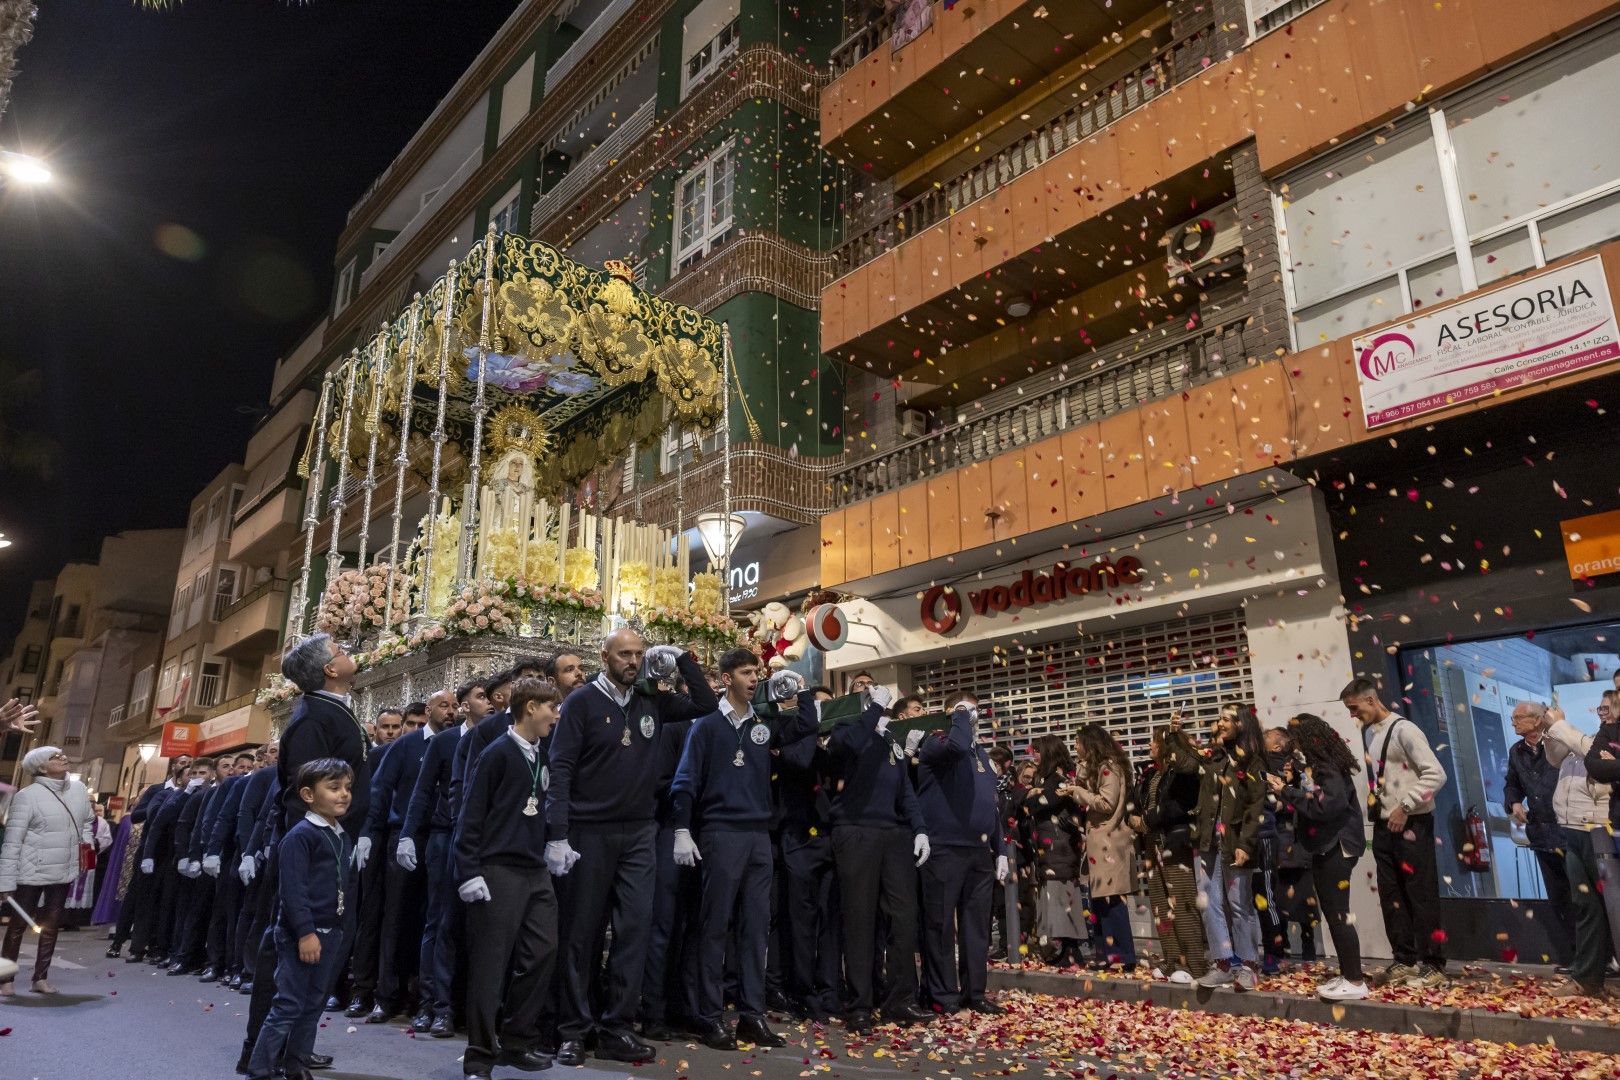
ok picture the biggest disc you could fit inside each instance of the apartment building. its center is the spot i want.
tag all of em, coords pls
(1226, 349)
(22, 674)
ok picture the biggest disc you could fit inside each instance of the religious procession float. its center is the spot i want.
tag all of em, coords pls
(503, 390)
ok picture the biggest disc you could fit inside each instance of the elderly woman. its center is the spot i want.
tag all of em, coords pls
(39, 858)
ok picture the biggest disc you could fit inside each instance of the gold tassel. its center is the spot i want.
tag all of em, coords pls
(315, 428)
(379, 374)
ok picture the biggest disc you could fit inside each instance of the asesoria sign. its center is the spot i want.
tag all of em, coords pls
(1535, 329)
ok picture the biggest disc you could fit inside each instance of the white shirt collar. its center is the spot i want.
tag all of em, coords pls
(468, 725)
(731, 714)
(530, 750)
(319, 822)
(611, 689)
(341, 699)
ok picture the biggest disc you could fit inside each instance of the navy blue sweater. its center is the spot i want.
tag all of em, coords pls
(430, 806)
(157, 840)
(222, 837)
(255, 794)
(804, 785)
(710, 788)
(956, 789)
(314, 869)
(152, 796)
(471, 745)
(595, 778)
(393, 780)
(872, 780)
(324, 727)
(492, 828)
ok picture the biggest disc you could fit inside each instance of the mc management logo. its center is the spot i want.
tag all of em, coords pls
(1386, 354)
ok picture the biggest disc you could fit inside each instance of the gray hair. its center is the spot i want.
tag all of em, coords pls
(1536, 708)
(304, 662)
(33, 762)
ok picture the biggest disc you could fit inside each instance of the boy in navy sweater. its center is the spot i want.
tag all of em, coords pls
(500, 847)
(723, 783)
(956, 790)
(314, 885)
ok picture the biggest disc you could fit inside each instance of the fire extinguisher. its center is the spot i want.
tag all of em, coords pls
(1476, 851)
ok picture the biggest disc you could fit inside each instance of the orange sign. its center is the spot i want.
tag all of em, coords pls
(1592, 545)
(178, 739)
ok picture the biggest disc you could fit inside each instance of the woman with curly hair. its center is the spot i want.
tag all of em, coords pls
(1327, 808)
(1102, 788)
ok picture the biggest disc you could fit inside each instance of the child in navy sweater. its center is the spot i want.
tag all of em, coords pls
(314, 887)
(500, 852)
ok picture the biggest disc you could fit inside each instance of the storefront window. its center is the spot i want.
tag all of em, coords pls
(1462, 695)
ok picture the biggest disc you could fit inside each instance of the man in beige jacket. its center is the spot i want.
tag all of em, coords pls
(1582, 808)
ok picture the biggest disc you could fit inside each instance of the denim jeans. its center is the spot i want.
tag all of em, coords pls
(1231, 922)
(288, 1033)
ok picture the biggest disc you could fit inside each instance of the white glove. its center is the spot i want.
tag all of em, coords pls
(1001, 869)
(919, 848)
(246, 869)
(405, 853)
(560, 857)
(962, 706)
(210, 865)
(147, 866)
(660, 662)
(686, 852)
(883, 724)
(194, 783)
(181, 867)
(784, 686)
(362, 852)
(474, 891)
(880, 695)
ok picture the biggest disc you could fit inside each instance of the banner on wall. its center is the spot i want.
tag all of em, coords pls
(1532, 330)
(178, 739)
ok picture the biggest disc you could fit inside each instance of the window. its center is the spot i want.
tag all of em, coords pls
(687, 448)
(71, 627)
(515, 97)
(199, 521)
(188, 667)
(703, 207)
(712, 33)
(140, 692)
(25, 694)
(1462, 695)
(377, 248)
(505, 216)
(31, 659)
(56, 678)
(182, 605)
(1503, 180)
(171, 670)
(216, 507)
(1266, 15)
(237, 491)
(345, 288)
(224, 591)
(210, 685)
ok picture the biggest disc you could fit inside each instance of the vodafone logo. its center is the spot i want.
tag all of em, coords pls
(941, 609)
(942, 604)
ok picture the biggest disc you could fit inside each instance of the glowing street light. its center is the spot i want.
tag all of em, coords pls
(4, 543)
(23, 169)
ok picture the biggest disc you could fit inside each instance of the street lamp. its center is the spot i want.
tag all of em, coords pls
(4, 543)
(24, 169)
(720, 535)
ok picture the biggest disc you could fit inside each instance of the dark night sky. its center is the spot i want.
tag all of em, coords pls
(253, 124)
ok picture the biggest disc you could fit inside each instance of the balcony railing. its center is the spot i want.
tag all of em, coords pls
(863, 42)
(115, 716)
(237, 702)
(764, 478)
(585, 42)
(1044, 409)
(247, 598)
(423, 215)
(754, 263)
(592, 165)
(209, 686)
(1132, 90)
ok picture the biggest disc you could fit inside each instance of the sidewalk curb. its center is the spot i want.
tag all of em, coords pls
(1463, 1024)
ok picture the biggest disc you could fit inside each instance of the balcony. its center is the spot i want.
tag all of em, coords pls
(753, 263)
(1048, 405)
(429, 207)
(889, 107)
(265, 529)
(252, 625)
(233, 723)
(586, 41)
(606, 154)
(764, 478)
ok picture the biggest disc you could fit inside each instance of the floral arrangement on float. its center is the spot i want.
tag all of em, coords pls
(355, 603)
(483, 607)
(695, 620)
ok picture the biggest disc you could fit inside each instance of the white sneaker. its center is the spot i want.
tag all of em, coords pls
(8, 970)
(1181, 978)
(1342, 990)
(1158, 973)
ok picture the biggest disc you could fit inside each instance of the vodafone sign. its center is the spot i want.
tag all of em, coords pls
(942, 610)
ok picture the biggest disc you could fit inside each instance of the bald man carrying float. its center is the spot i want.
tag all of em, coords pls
(604, 772)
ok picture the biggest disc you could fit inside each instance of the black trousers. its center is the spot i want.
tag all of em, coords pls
(156, 917)
(1331, 872)
(263, 948)
(613, 882)
(222, 956)
(436, 953)
(1264, 884)
(957, 885)
(196, 915)
(1556, 877)
(137, 898)
(1409, 890)
(781, 933)
(513, 933)
(666, 987)
(400, 945)
(876, 875)
(366, 952)
(258, 917)
(815, 959)
(736, 869)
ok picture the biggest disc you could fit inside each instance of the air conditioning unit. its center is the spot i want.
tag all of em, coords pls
(913, 423)
(1202, 241)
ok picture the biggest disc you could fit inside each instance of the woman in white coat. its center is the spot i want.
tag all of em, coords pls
(39, 857)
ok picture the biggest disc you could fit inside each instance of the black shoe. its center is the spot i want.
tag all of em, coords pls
(623, 1046)
(178, 968)
(755, 1030)
(527, 1060)
(570, 1053)
(778, 1002)
(422, 1022)
(443, 1027)
(231, 981)
(381, 1014)
(985, 1007)
(318, 1061)
(658, 1032)
(358, 1007)
(717, 1036)
(113, 951)
(245, 986)
(907, 1014)
(333, 1004)
(208, 975)
(858, 1022)
(134, 958)
(477, 1072)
